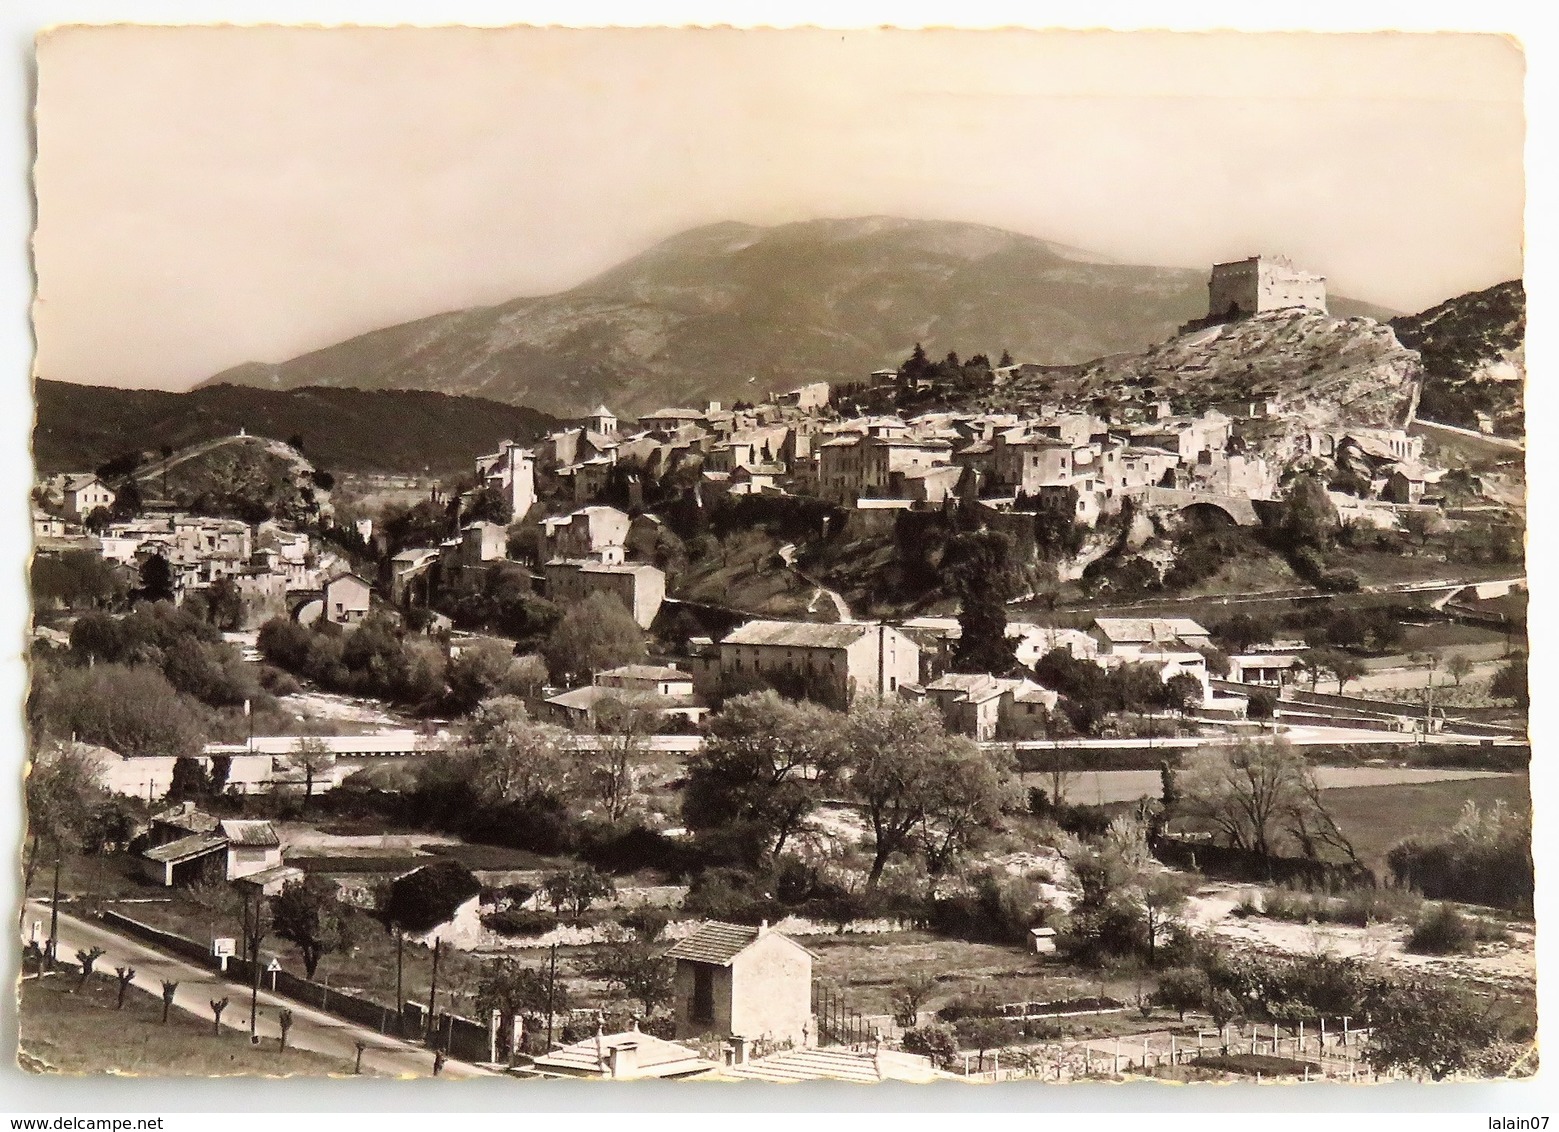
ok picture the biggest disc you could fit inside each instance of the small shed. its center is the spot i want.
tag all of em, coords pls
(252, 847)
(271, 881)
(195, 859)
(1043, 940)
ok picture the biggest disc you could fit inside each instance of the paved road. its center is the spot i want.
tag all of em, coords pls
(311, 1029)
(1297, 736)
(1252, 597)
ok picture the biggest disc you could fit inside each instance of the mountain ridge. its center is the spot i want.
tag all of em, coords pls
(732, 311)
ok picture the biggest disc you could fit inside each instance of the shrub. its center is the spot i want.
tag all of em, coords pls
(988, 1033)
(622, 850)
(965, 1006)
(1443, 930)
(520, 922)
(998, 909)
(1362, 906)
(517, 893)
(1485, 858)
(733, 895)
(933, 1040)
(1339, 581)
(1181, 989)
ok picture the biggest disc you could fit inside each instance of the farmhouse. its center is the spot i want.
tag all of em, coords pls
(830, 663)
(669, 691)
(85, 494)
(980, 705)
(189, 847)
(738, 981)
(1132, 638)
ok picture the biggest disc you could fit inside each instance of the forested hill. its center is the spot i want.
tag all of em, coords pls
(79, 427)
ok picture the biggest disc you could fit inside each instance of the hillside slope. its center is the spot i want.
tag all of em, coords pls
(1474, 352)
(1327, 371)
(732, 311)
(343, 430)
(245, 477)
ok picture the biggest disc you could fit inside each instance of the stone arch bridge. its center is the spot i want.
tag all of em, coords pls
(1240, 510)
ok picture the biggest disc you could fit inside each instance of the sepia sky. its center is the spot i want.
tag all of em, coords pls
(210, 196)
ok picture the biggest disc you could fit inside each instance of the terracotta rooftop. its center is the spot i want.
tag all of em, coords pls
(715, 943)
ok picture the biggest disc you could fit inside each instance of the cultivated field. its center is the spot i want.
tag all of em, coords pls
(1376, 817)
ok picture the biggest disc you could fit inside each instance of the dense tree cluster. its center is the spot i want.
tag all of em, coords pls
(1485, 858)
(595, 634)
(505, 603)
(978, 568)
(188, 650)
(924, 794)
(130, 710)
(1090, 693)
(77, 579)
(372, 660)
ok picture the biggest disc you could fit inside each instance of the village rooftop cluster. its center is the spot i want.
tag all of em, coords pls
(570, 535)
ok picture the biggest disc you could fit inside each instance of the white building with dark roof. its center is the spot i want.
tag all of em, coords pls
(737, 981)
(84, 494)
(1134, 638)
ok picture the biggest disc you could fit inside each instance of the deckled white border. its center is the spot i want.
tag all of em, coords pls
(21, 19)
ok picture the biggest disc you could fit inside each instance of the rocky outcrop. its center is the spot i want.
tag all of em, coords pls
(1326, 371)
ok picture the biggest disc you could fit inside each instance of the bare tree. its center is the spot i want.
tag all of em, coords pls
(87, 959)
(256, 923)
(1255, 793)
(284, 1018)
(169, 989)
(313, 758)
(910, 995)
(126, 976)
(623, 726)
(217, 1006)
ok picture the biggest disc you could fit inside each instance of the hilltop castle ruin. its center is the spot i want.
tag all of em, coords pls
(1262, 283)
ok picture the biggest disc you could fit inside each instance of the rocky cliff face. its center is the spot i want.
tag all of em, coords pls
(733, 311)
(1325, 370)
